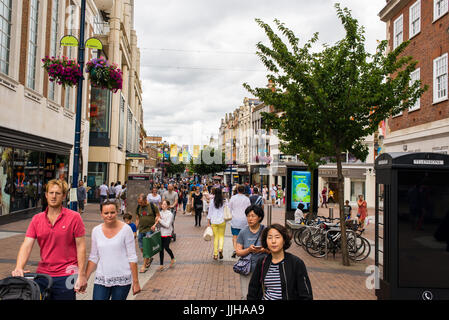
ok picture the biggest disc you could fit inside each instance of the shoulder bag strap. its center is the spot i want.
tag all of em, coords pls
(260, 231)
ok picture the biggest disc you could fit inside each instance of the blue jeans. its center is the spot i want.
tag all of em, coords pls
(110, 293)
(59, 290)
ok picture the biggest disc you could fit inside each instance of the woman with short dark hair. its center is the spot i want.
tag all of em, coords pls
(280, 275)
(249, 242)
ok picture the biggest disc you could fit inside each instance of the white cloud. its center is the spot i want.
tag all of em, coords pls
(196, 54)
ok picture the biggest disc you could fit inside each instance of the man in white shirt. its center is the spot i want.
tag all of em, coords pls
(238, 205)
(103, 192)
(118, 189)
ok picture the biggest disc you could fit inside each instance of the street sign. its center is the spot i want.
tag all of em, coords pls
(94, 43)
(69, 41)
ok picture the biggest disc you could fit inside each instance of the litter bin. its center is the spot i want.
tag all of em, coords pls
(331, 212)
(412, 226)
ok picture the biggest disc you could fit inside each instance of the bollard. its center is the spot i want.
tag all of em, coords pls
(269, 214)
(331, 212)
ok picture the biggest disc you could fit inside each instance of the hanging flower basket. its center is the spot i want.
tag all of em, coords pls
(63, 71)
(104, 75)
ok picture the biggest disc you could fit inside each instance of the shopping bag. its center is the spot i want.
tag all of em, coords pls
(152, 244)
(189, 208)
(227, 213)
(208, 234)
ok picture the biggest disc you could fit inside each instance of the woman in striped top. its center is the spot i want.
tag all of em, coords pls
(280, 275)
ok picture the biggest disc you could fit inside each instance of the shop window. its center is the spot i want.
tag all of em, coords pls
(97, 174)
(100, 106)
(357, 188)
(26, 180)
(6, 180)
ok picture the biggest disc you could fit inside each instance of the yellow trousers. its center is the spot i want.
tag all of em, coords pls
(219, 233)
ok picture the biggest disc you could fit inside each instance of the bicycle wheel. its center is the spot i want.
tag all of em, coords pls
(356, 247)
(366, 252)
(297, 236)
(304, 237)
(316, 245)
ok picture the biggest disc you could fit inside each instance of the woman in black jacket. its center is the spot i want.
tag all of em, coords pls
(280, 275)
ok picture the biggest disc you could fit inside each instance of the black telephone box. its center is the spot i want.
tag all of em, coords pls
(412, 226)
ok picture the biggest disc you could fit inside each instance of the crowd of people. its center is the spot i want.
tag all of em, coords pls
(113, 261)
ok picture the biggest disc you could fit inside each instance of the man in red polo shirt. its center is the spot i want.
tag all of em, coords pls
(60, 234)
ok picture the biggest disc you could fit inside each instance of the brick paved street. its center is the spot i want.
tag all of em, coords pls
(196, 276)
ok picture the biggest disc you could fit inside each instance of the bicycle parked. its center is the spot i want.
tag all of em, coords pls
(323, 236)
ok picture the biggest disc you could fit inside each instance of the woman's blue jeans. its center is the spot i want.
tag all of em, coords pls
(110, 293)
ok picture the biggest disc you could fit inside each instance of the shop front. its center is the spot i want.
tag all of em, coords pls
(27, 163)
(358, 181)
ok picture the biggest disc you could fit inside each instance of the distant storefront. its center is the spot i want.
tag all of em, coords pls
(27, 163)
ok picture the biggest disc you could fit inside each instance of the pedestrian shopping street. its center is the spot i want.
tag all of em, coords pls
(196, 276)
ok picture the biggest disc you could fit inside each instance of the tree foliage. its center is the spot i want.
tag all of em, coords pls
(331, 100)
(208, 163)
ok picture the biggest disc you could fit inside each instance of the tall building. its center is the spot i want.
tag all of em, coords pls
(115, 134)
(425, 126)
(37, 122)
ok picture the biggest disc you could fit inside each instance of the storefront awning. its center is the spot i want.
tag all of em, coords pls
(136, 156)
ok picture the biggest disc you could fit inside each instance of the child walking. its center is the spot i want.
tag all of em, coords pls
(166, 224)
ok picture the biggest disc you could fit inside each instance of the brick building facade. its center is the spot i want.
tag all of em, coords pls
(425, 23)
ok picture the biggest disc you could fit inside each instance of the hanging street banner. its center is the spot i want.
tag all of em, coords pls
(173, 151)
(94, 43)
(69, 41)
(196, 151)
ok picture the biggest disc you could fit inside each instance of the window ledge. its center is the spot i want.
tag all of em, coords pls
(435, 20)
(33, 95)
(415, 109)
(439, 101)
(413, 36)
(53, 106)
(8, 82)
(69, 114)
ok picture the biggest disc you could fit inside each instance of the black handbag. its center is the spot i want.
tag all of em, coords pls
(243, 265)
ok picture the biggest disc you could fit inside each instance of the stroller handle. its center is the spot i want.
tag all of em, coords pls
(40, 275)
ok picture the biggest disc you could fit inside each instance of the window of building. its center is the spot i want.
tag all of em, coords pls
(96, 175)
(54, 41)
(440, 78)
(398, 31)
(357, 188)
(100, 109)
(439, 8)
(415, 19)
(129, 132)
(415, 76)
(5, 34)
(121, 134)
(32, 44)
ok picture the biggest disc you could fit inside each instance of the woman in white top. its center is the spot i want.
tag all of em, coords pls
(206, 200)
(113, 255)
(215, 219)
(154, 198)
(165, 222)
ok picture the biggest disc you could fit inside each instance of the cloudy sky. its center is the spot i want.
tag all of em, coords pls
(196, 54)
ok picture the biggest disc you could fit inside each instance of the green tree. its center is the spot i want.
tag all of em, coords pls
(329, 101)
(175, 167)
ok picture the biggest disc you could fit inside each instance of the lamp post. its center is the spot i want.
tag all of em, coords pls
(79, 97)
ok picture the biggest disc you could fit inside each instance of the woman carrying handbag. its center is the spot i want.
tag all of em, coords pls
(249, 246)
(216, 220)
